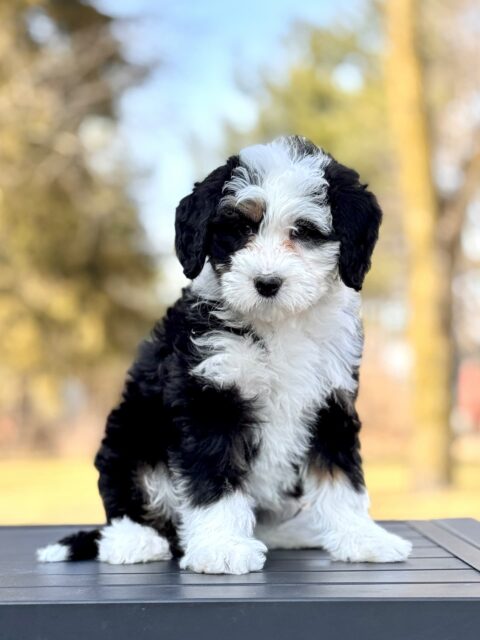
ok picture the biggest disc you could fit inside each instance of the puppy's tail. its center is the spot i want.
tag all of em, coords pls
(82, 545)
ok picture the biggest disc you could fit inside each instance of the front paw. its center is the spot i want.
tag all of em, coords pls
(235, 557)
(376, 545)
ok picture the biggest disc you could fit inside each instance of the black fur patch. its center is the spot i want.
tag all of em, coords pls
(230, 230)
(168, 530)
(215, 448)
(82, 545)
(134, 437)
(356, 220)
(335, 442)
(193, 215)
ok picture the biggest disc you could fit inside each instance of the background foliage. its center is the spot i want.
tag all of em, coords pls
(75, 268)
(96, 121)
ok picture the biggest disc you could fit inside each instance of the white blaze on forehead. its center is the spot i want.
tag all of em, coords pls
(291, 182)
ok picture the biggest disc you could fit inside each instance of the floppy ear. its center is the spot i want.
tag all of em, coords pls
(356, 218)
(193, 215)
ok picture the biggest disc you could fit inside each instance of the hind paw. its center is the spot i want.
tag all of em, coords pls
(127, 542)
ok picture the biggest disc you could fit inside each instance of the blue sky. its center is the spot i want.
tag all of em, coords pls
(197, 50)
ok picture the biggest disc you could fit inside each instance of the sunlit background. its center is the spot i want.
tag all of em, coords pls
(110, 109)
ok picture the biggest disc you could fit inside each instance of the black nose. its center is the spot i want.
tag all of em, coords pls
(267, 286)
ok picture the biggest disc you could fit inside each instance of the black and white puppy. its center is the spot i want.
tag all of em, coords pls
(237, 431)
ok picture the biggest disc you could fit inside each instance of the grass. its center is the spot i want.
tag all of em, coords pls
(54, 491)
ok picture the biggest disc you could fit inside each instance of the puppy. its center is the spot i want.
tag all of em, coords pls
(237, 431)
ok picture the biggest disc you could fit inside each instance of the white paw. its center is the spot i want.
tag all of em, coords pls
(235, 556)
(374, 545)
(127, 542)
(53, 553)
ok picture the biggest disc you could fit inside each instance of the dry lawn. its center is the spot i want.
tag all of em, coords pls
(51, 491)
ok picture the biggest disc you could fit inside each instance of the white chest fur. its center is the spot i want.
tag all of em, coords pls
(288, 372)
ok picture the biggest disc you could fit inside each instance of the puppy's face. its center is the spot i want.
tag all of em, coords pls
(272, 241)
(280, 224)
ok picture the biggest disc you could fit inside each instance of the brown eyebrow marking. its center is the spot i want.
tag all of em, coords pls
(252, 209)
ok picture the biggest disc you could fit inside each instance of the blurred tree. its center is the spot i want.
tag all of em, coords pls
(433, 221)
(338, 92)
(333, 93)
(76, 274)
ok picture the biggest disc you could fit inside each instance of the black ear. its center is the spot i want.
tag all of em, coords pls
(193, 215)
(356, 217)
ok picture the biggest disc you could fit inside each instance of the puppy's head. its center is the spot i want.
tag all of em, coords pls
(281, 224)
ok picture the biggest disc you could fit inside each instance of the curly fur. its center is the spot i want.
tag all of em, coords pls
(237, 427)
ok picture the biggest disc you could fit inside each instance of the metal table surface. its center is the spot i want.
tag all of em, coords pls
(299, 594)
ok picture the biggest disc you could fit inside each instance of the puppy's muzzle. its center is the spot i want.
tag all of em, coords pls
(267, 286)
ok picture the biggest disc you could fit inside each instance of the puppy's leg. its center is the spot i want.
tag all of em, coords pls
(211, 464)
(335, 517)
(218, 538)
(336, 503)
(345, 528)
(127, 538)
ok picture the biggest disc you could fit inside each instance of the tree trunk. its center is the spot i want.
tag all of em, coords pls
(429, 264)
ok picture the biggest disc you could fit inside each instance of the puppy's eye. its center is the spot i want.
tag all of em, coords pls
(306, 231)
(249, 226)
(231, 220)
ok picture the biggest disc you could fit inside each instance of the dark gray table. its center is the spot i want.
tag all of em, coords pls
(300, 594)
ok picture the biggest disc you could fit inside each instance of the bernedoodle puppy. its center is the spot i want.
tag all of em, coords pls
(237, 430)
